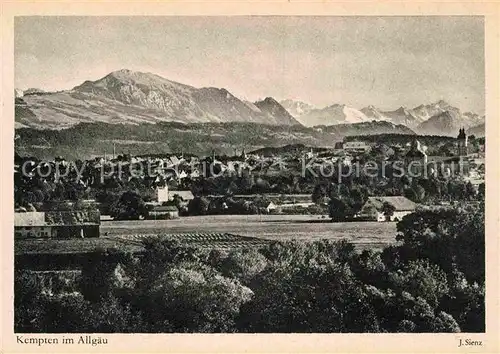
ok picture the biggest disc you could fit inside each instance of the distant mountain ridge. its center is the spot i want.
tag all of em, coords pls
(296, 108)
(439, 118)
(425, 118)
(478, 130)
(332, 115)
(272, 108)
(131, 97)
(449, 122)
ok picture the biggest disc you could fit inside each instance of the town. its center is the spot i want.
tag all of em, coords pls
(290, 181)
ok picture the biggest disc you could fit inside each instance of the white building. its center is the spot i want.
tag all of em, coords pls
(373, 208)
(161, 194)
(356, 147)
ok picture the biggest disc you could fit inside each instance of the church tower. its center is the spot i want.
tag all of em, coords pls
(462, 142)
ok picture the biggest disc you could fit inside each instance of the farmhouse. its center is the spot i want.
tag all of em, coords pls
(31, 225)
(57, 224)
(76, 223)
(373, 208)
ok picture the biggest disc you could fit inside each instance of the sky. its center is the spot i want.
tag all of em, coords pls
(387, 62)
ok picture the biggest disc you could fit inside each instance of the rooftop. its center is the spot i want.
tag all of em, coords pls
(80, 217)
(186, 195)
(57, 218)
(399, 202)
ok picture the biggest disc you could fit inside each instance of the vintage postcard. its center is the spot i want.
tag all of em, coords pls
(250, 177)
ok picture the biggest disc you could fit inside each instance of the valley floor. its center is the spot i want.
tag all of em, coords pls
(365, 235)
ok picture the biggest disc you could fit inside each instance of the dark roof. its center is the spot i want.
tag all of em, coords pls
(67, 218)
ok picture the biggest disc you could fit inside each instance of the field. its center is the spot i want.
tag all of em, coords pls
(272, 227)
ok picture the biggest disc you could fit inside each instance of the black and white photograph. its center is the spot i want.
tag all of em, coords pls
(249, 174)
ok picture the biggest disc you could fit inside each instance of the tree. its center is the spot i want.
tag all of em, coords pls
(388, 209)
(312, 294)
(198, 206)
(339, 210)
(243, 265)
(357, 198)
(470, 191)
(194, 298)
(129, 206)
(319, 195)
(421, 279)
(448, 237)
(481, 191)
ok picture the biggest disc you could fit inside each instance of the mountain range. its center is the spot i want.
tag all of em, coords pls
(130, 97)
(439, 118)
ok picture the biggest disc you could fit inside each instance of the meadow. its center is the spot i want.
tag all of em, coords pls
(364, 235)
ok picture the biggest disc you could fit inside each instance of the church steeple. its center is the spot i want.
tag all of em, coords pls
(462, 142)
(461, 133)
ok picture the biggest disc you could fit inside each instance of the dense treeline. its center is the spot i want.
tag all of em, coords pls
(433, 281)
(89, 139)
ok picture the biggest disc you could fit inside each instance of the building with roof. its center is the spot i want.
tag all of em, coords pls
(356, 147)
(57, 224)
(163, 212)
(31, 225)
(373, 208)
(185, 195)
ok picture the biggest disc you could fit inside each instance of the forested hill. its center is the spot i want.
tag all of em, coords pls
(402, 139)
(87, 140)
